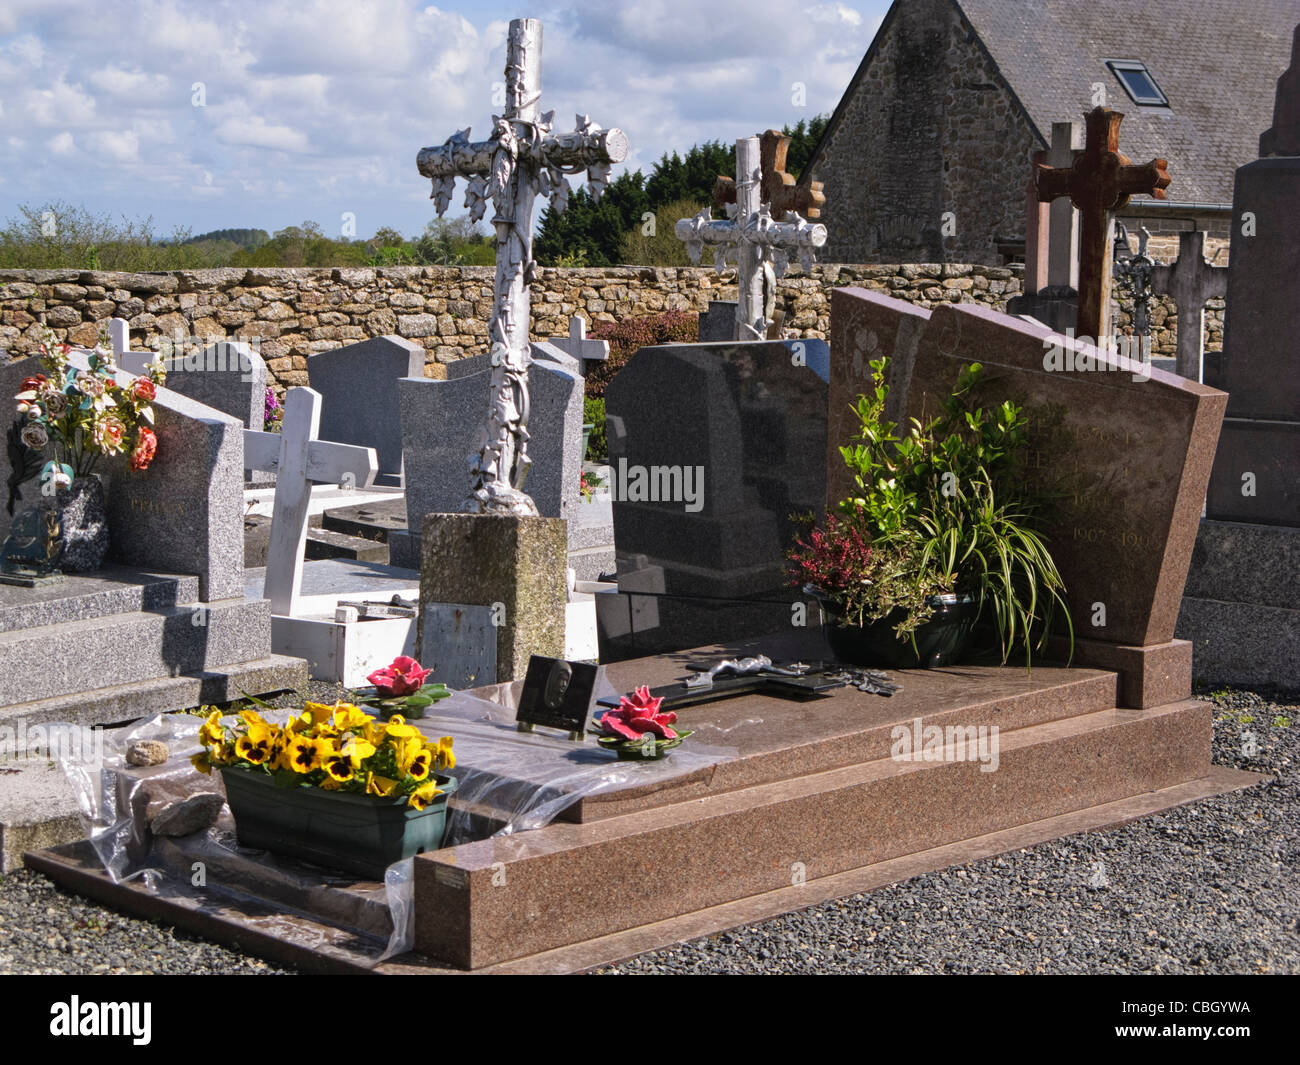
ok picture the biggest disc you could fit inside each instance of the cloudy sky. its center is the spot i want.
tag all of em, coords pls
(240, 113)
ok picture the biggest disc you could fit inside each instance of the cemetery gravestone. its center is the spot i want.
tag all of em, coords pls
(714, 451)
(1128, 453)
(359, 396)
(1191, 281)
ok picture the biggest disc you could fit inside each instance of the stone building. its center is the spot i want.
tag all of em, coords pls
(927, 155)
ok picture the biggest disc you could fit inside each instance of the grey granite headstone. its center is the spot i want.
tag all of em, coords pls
(441, 422)
(227, 376)
(718, 323)
(749, 422)
(184, 514)
(358, 387)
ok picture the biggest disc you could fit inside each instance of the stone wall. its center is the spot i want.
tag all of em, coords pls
(290, 314)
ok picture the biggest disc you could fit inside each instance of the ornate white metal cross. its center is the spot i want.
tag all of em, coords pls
(759, 244)
(521, 160)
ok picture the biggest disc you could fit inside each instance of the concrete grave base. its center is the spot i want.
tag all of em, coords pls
(817, 803)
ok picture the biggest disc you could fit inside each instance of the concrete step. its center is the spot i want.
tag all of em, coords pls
(110, 590)
(130, 647)
(373, 521)
(676, 859)
(116, 704)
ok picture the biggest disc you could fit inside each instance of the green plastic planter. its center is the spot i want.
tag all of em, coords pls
(358, 834)
(941, 641)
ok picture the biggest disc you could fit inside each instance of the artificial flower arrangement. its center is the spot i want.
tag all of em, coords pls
(86, 414)
(400, 688)
(636, 728)
(272, 412)
(335, 748)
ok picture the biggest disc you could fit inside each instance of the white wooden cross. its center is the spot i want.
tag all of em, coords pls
(298, 458)
(521, 160)
(133, 362)
(1191, 281)
(579, 347)
(760, 246)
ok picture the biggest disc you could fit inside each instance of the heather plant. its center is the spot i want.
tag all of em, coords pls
(630, 335)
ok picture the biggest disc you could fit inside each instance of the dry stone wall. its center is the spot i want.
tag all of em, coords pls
(290, 314)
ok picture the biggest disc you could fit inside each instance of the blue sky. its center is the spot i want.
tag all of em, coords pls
(235, 113)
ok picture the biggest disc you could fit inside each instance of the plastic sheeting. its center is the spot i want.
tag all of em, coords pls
(508, 781)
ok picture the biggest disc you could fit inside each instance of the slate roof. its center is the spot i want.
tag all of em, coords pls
(1217, 61)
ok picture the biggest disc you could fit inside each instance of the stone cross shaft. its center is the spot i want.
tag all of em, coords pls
(779, 190)
(297, 458)
(1052, 229)
(1101, 181)
(522, 159)
(758, 242)
(1191, 281)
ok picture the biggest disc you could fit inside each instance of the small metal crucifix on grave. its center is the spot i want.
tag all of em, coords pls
(521, 160)
(1101, 181)
(763, 230)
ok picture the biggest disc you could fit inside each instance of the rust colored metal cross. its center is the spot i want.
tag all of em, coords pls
(779, 190)
(1100, 181)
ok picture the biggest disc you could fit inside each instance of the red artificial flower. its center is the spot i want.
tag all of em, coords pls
(637, 716)
(146, 447)
(403, 677)
(34, 384)
(143, 389)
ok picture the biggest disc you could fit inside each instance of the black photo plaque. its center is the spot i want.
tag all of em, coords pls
(558, 694)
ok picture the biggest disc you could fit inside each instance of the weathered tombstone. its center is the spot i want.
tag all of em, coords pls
(1127, 448)
(1051, 292)
(441, 424)
(1100, 182)
(298, 457)
(358, 389)
(1241, 606)
(512, 555)
(165, 624)
(718, 323)
(760, 236)
(714, 451)
(577, 346)
(1191, 281)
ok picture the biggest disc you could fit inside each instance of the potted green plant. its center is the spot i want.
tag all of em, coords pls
(941, 530)
(333, 786)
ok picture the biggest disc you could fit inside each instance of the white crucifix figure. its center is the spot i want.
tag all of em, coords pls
(297, 458)
(759, 245)
(579, 347)
(521, 160)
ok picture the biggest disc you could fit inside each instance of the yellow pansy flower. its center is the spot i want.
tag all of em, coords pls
(212, 731)
(444, 758)
(358, 750)
(424, 794)
(416, 760)
(381, 786)
(302, 754)
(255, 745)
(202, 762)
(251, 717)
(399, 729)
(348, 718)
(338, 768)
(375, 732)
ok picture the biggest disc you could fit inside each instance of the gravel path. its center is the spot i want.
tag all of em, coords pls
(1213, 887)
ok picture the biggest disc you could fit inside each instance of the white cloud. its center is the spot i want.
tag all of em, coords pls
(134, 86)
(119, 146)
(62, 144)
(61, 104)
(254, 131)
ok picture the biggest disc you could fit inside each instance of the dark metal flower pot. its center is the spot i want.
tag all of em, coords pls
(358, 834)
(941, 641)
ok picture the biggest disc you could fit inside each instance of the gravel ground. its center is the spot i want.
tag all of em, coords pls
(1213, 887)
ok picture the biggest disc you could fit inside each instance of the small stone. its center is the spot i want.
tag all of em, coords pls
(189, 815)
(147, 752)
